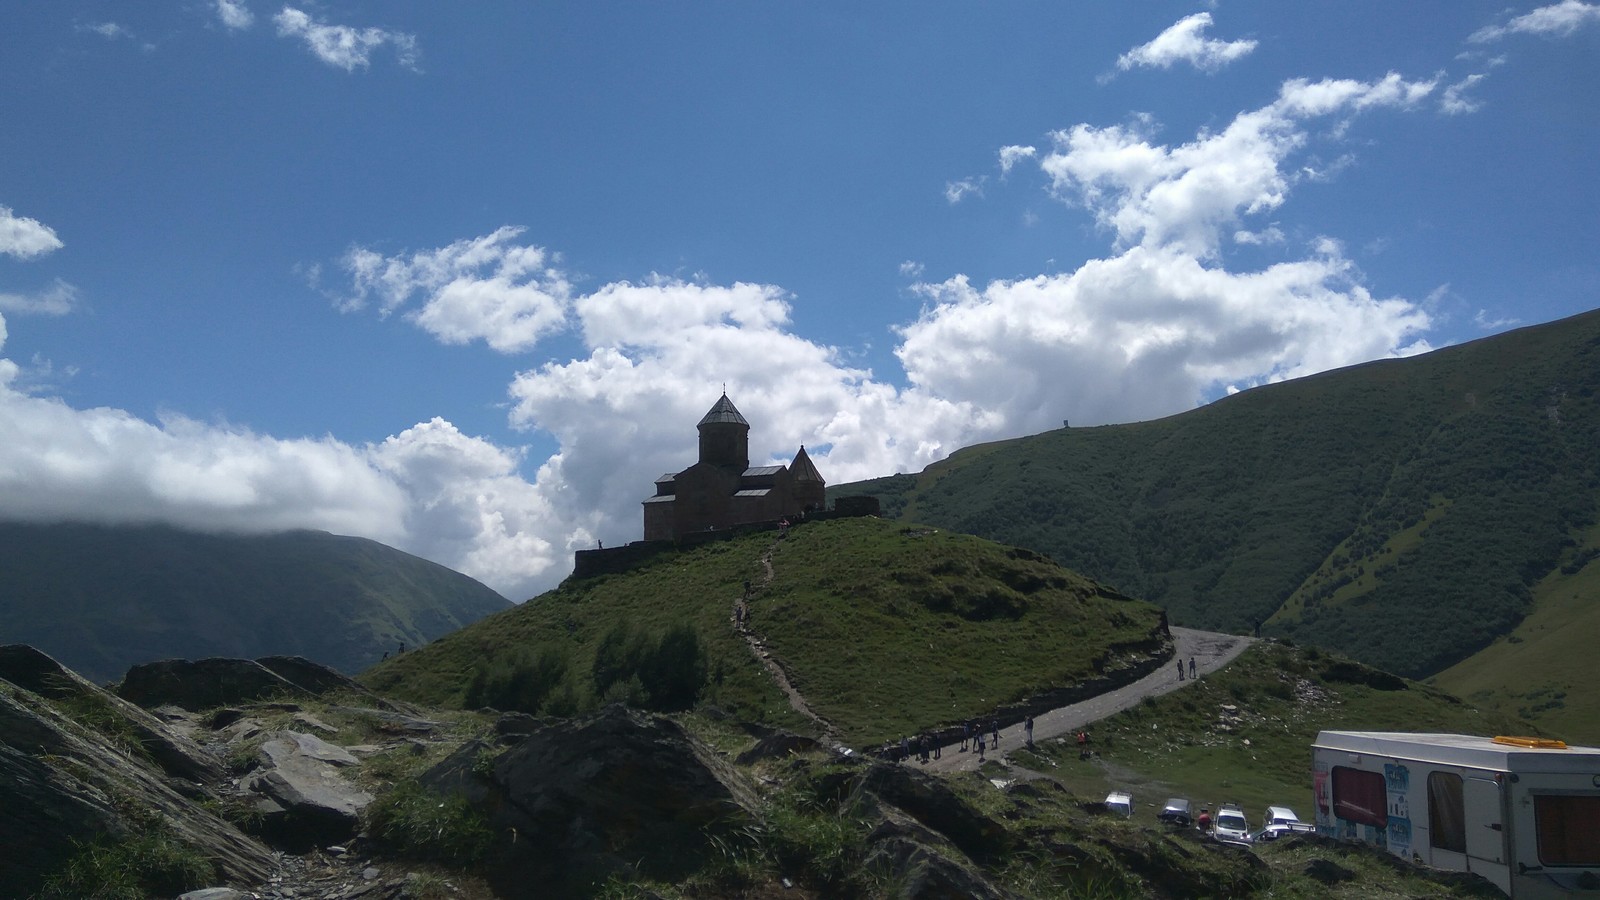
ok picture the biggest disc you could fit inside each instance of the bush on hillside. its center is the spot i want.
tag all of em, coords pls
(665, 673)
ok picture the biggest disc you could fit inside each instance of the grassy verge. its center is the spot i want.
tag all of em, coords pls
(1244, 734)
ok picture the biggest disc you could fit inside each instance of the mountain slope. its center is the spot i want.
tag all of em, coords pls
(886, 630)
(102, 598)
(1399, 511)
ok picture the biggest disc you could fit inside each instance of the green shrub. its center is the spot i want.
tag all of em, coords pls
(415, 823)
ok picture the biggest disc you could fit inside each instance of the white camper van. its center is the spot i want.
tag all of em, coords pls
(1522, 812)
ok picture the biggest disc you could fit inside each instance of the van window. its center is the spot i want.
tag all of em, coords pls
(1360, 797)
(1569, 828)
(1447, 813)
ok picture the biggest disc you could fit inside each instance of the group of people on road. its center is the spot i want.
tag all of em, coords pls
(1191, 669)
(923, 747)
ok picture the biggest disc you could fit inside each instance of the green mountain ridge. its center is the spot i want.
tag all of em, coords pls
(1402, 512)
(102, 598)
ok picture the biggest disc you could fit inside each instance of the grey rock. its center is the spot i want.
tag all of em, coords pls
(202, 684)
(935, 805)
(215, 893)
(777, 746)
(314, 678)
(62, 784)
(620, 792)
(304, 800)
(177, 755)
(1327, 871)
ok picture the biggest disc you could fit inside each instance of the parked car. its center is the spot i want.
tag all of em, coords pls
(1230, 825)
(1176, 812)
(1281, 820)
(1120, 803)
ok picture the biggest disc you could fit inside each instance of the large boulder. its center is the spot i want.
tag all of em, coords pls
(63, 785)
(312, 677)
(620, 792)
(200, 684)
(177, 755)
(302, 797)
(931, 802)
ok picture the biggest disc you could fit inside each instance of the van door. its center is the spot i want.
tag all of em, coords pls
(1486, 832)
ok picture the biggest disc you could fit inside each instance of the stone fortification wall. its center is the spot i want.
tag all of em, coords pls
(616, 560)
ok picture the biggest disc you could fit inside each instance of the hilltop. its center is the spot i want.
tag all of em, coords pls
(102, 598)
(1404, 512)
(886, 629)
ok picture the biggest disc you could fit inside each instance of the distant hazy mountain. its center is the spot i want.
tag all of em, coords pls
(1405, 512)
(101, 598)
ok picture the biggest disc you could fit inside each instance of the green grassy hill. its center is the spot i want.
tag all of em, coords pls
(1402, 512)
(885, 629)
(103, 598)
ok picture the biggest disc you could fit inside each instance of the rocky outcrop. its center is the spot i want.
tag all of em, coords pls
(931, 802)
(312, 677)
(303, 799)
(178, 756)
(200, 684)
(63, 784)
(619, 792)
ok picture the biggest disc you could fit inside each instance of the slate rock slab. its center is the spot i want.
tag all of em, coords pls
(304, 799)
(620, 792)
(201, 684)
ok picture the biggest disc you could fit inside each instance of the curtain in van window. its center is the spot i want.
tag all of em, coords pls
(1568, 826)
(1360, 797)
(1447, 812)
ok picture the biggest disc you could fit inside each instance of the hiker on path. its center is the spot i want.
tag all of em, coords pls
(1027, 727)
(937, 752)
(994, 726)
(980, 746)
(1191, 667)
(924, 748)
(905, 748)
(966, 735)
(1180, 670)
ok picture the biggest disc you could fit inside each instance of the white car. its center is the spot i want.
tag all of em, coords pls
(1120, 803)
(1281, 820)
(1230, 825)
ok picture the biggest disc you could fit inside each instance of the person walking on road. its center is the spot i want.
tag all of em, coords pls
(1027, 728)
(1191, 667)
(1180, 670)
(966, 735)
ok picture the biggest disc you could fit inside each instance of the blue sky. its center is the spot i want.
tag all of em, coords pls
(462, 277)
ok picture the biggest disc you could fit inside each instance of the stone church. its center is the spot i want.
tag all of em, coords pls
(723, 490)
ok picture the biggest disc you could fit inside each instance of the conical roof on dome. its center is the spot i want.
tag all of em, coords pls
(803, 469)
(723, 413)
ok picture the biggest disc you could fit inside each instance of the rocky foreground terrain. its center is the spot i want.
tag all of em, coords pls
(278, 778)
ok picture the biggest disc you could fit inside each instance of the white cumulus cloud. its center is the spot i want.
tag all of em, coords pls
(1190, 195)
(1454, 100)
(25, 238)
(1013, 154)
(1185, 42)
(488, 288)
(957, 191)
(58, 299)
(235, 15)
(1556, 20)
(342, 46)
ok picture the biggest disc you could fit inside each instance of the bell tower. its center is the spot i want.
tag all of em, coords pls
(725, 437)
